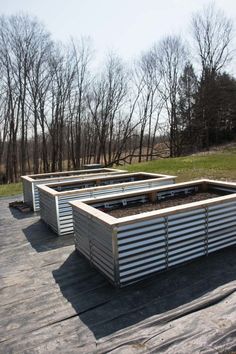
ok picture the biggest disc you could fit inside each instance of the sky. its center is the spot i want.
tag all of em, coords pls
(127, 27)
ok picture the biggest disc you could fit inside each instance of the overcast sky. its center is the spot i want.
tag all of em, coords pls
(126, 26)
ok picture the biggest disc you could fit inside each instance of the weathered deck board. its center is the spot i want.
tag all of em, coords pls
(52, 301)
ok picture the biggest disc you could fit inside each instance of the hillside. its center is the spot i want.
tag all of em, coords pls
(219, 163)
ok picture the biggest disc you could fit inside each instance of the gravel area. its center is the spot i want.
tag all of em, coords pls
(160, 204)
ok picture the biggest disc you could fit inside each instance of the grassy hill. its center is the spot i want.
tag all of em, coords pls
(219, 164)
(214, 165)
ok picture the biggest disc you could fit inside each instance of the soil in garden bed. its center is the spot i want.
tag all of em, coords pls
(160, 204)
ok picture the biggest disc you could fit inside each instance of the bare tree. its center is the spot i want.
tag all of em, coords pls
(187, 92)
(38, 85)
(171, 54)
(105, 101)
(62, 71)
(82, 53)
(148, 79)
(213, 34)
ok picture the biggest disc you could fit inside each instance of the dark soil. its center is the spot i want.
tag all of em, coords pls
(160, 204)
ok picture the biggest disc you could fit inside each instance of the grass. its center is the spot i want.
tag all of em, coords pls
(218, 165)
(10, 189)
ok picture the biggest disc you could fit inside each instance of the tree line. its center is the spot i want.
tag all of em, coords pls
(58, 112)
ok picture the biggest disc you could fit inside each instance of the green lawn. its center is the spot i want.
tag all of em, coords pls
(219, 165)
(215, 166)
(10, 189)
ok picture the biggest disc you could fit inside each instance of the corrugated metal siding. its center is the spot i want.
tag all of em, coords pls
(186, 236)
(94, 241)
(65, 219)
(27, 193)
(221, 188)
(141, 249)
(48, 210)
(36, 196)
(153, 245)
(146, 184)
(221, 231)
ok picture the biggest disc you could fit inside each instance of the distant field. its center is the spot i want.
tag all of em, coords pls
(215, 165)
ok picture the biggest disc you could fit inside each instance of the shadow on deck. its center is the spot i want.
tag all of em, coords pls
(19, 215)
(42, 238)
(106, 310)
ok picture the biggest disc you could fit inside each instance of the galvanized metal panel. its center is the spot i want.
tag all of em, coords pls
(48, 211)
(141, 249)
(95, 242)
(27, 192)
(185, 236)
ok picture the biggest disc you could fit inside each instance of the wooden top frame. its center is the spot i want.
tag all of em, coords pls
(64, 174)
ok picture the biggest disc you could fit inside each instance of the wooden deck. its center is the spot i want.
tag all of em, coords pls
(52, 301)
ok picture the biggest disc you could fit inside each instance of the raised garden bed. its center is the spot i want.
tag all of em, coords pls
(31, 182)
(56, 211)
(128, 248)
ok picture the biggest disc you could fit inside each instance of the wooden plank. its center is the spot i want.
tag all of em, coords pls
(74, 172)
